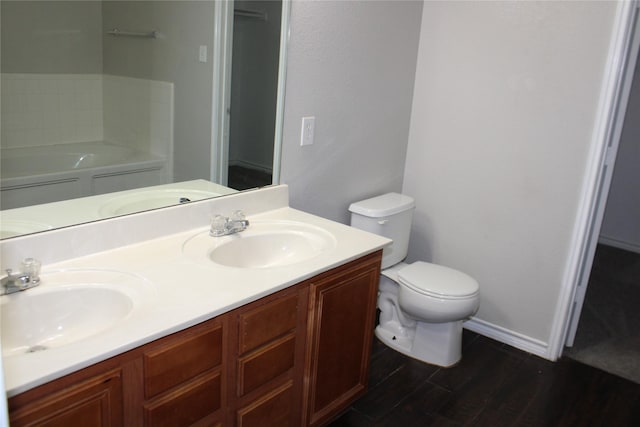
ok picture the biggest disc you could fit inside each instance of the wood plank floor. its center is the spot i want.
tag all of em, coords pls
(494, 385)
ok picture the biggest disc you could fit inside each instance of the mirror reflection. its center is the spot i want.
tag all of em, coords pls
(109, 107)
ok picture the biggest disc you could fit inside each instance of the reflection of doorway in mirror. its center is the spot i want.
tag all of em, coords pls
(254, 88)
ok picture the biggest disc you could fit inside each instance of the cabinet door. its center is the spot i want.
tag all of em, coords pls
(341, 326)
(94, 402)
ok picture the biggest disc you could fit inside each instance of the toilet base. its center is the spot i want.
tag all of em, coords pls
(435, 343)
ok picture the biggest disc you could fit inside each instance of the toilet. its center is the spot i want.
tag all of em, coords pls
(422, 305)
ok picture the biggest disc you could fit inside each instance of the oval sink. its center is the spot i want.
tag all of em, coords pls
(263, 245)
(152, 199)
(64, 309)
(11, 228)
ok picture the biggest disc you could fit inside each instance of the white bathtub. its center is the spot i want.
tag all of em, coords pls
(35, 175)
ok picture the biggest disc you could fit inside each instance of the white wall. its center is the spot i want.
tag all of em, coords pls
(621, 223)
(351, 64)
(503, 112)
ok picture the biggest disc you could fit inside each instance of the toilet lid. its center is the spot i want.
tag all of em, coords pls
(438, 280)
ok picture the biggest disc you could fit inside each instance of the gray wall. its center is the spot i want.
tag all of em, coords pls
(49, 37)
(173, 57)
(621, 223)
(351, 64)
(504, 112)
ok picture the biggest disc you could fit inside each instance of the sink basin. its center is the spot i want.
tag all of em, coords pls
(265, 244)
(11, 228)
(152, 199)
(67, 307)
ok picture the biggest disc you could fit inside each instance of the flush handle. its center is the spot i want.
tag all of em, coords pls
(383, 221)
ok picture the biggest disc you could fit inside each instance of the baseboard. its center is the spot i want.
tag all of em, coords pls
(506, 336)
(627, 246)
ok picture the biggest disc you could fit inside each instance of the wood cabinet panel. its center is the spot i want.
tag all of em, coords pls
(341, 330)
(180, 358)
(191, 403)
(94, 402)
(265, 323)
(272, 410)
(262, 366)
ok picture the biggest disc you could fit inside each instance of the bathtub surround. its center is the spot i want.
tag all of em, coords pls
(46, 109)
(67, 114)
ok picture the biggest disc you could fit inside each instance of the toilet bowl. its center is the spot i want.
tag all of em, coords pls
(420, 322)
(422, 305)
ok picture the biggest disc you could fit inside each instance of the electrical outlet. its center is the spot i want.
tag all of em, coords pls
(308, 129)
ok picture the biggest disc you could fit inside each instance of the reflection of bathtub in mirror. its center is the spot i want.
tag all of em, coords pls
(25, 220)
(52, 173)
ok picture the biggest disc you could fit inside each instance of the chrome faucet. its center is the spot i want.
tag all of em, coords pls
(28, 278)
(223, 226)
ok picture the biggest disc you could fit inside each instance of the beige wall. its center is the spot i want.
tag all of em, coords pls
(502, 120)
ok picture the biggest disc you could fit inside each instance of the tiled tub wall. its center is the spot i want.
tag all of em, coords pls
(43, 109)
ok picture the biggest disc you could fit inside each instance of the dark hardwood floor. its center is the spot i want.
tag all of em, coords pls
(493, 385)
(242, 178)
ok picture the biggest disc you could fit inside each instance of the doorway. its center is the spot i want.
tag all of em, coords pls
(608, 335)
(250, 49)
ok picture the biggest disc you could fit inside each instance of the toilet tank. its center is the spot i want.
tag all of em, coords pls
(388, 215)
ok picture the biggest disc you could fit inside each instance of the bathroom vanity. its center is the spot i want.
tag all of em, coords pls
(241, 345)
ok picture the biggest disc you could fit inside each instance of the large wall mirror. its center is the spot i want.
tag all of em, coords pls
(113, 107)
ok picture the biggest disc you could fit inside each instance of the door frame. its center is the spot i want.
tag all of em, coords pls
(601, 161)
(221, 93)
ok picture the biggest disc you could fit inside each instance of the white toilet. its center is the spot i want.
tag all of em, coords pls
(422, 305)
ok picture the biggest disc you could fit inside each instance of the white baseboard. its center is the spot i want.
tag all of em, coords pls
(627, 246)
(514, 339)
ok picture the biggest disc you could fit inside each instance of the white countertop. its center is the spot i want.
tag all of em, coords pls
(182, 293)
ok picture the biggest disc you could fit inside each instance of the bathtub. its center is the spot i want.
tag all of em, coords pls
(43, 174)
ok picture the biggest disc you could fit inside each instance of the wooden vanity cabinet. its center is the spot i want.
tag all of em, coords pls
(183, 377)
(268, 351)
(92, 398)
(295, 358)
(342, 306)
(178, 380)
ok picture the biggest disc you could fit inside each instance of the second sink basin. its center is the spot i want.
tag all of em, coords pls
(265, 244)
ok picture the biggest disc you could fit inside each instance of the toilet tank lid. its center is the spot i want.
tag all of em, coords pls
(384, 205)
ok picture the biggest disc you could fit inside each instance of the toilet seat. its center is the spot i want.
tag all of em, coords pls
(438, 281)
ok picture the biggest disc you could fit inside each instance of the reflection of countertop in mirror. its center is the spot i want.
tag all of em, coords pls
(184, 290)
(31, 219)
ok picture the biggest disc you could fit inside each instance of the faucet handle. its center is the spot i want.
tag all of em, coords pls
(218, 225)
(31, 267)
(238, 215)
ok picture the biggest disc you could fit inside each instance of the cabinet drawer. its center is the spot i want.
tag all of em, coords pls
(186, 405)
(181, 359)
(266, 364)
(272, 410)
(265, 323)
